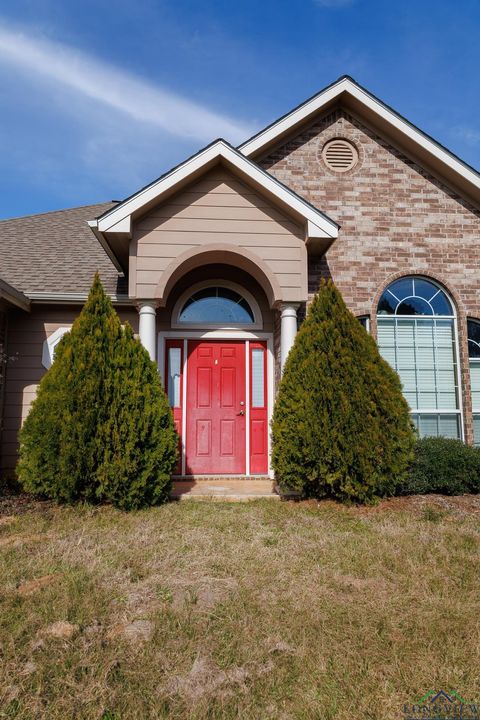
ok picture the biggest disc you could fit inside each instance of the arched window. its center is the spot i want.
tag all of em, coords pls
(474, 355)
(220, 306)
(417, 336)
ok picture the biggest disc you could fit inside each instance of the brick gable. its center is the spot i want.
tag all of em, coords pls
(395, 218)
(393, 214)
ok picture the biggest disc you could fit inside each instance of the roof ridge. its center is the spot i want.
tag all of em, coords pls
(61, 210)
(422, 135)
(241, 158)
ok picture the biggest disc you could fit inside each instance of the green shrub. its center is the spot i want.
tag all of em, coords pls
(341, 427)
(442, 465)
(138, 441)
(100, 428)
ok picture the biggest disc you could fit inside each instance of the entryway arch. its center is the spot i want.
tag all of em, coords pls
(219, 373)
(219, 253)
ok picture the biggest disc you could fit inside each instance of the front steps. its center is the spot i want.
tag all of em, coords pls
(235, 488)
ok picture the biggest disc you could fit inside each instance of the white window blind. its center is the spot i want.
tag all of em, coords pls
(475, 385)
(422, 351)
(258, 378)
(174, 359)
(476, 429)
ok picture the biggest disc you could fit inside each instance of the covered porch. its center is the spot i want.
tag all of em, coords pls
(216, 254)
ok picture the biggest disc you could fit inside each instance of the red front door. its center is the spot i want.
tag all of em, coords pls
(215, 438)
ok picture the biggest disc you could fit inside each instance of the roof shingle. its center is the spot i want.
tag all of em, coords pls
(56, 252)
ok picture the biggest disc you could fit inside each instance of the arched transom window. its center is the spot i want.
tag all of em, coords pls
(414, 296)
(474, 357)
(417, 336)
(216, 306)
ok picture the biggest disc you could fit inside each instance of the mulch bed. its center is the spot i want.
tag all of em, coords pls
(21, 503)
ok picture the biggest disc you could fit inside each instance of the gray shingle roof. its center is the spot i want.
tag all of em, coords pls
(56, 252)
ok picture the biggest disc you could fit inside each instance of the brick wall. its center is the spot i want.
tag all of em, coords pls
(395, 219)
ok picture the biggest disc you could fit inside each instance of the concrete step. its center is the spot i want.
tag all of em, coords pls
(236, 488)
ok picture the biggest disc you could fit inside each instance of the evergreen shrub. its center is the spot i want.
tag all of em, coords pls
(341, 427)
(100, 428)
(442, 465)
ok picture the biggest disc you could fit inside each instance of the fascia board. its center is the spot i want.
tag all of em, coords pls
(119, 219)
(381, 111)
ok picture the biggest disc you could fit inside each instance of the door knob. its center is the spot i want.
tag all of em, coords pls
(242, 412)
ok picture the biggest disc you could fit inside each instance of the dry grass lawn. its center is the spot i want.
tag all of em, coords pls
(252, 610)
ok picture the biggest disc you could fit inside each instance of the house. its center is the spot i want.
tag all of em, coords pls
(214, 262)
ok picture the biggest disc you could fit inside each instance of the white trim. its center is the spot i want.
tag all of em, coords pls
(106, 247)
(177, 309)
(459, 373)
(247, 407)
(367, 321)
(400, 300)
(219, 335)
(49, 345)
(73, 297)
(351, 89)
(117, 219)
(270, 399)
(184, 405)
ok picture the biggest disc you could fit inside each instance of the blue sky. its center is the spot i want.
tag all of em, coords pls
(98, 98)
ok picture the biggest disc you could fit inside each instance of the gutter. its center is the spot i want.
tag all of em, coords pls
(73, 298)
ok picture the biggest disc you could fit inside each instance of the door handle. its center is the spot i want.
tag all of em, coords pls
(242, 412)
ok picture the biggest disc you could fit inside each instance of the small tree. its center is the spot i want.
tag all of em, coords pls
(138, 441)
(78, 435)
(341, 427)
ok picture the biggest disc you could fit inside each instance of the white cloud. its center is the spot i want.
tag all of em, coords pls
(116, 88)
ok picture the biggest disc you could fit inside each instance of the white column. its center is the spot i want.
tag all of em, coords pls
(288, 329)
(148, 327)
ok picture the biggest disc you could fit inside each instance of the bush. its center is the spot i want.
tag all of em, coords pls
(100, 428)
(442, 465)
(138, 440)
(341, 427)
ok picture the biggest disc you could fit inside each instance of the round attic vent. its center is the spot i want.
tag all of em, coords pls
(339, 155)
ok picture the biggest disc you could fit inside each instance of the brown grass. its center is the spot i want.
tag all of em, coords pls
(251, 610)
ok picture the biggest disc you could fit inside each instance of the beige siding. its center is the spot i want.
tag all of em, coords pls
(26, 335)
(218, 209)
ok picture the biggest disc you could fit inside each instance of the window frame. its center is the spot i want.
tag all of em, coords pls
(364, 321)
(394, 318)
(440, 289)
(177, 324)
(476, 362)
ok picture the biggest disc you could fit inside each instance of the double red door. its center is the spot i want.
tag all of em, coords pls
(218, 419)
